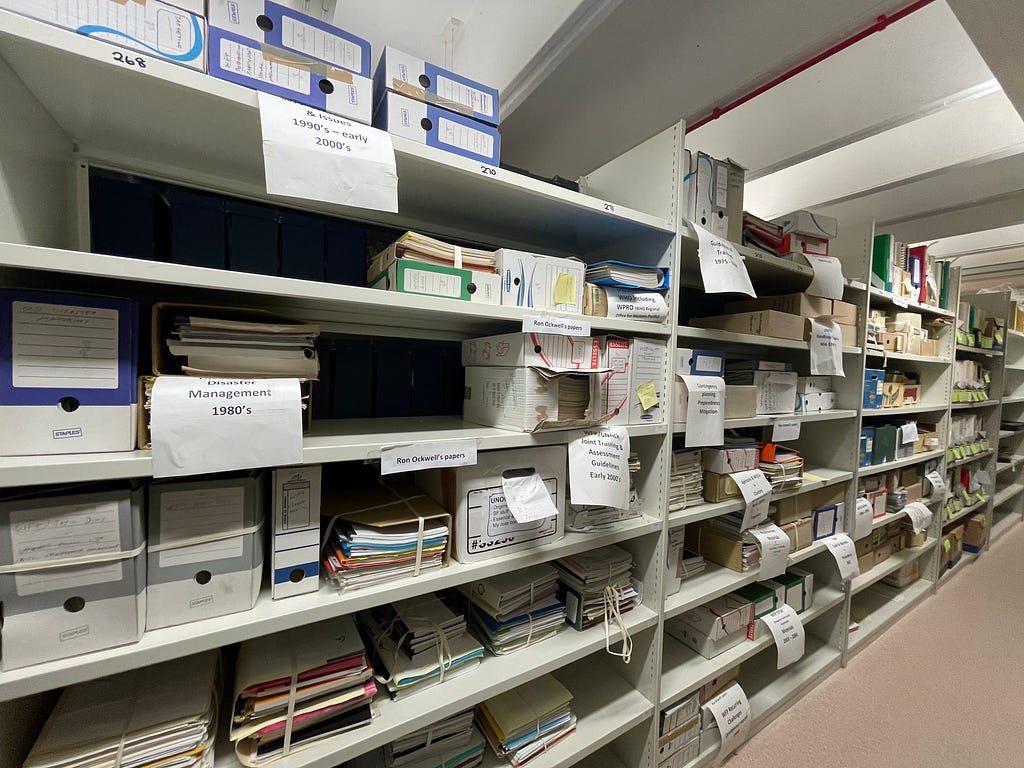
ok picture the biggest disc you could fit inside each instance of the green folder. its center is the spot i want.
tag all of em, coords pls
(885, 444)
(944, 288)
(881, 260)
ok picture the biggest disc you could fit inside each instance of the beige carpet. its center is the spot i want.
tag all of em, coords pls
(944, 686)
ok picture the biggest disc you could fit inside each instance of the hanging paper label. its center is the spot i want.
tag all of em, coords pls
(774, 545)
(721, 266)
(788, 631)
(863, 517)
(314, 155)
(216, 425)
(788, 429)
(920, 516)
(983, 477)
(826, 348)
(828, 278)
(599, 467)
(845, 552)
(705, 410)
(939, 490)
(757, 493)
(908, 433)
(732, 716)
(628, 304)
(527, 497)
(413, 456)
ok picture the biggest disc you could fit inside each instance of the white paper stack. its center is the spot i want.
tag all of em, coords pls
(691, 564)
(686, 483)
(526, 721)
(785, 470)
(586, 518)
(359, 555)
(215, 347)
(729, 525)
(618, 273)
(513, 610)
(413, 246)
(450, 743)
(166, 715)
(585, 577)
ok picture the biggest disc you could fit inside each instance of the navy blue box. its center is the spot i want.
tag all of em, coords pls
(867, 444)
(454, 381)
(427, 391)
(198, 229)
(392, 378)
(121, 216)
(252, 238)
(352, 379)
(303, 239)
(346, 253)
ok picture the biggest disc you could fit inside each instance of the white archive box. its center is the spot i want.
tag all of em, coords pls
(295, 551)
(72, 574)
(475, 498)
(205, 548)
(628, 365)
(437, 127)
(547, 350)
(540, 282)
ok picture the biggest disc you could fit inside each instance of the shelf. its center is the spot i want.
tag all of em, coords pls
(979, 404)
(764, 421)
(1013, 463)
(888, 517)
(329, 304)
(685, 669)
(908, 358)
(717, 580)
(1005, 433)
(886, 610)
(969, 459)
(917, 458)
(603, 758)
(1003, 522)
(167, 120)
(715, 336)
(893, 563)
(269, 616)
(965, 559)
(1013, 367)
(1007, 493)
(769, 273)
(326, 441)
(965, 512)
(903, 409)
(1012, 400)
(963, 349)
(878, 296)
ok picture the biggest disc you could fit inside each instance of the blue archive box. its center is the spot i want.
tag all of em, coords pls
(867, 445)
(252, 238)
(67, 373)
(423, 81)
(873, 380)
(700, 362)
(198, 228)
(302, 246)
(436, 127)
(352, 379)
(272, 48)
(122, 216)
(346, 253)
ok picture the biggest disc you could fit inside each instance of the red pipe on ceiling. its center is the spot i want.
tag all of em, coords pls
(880, 23)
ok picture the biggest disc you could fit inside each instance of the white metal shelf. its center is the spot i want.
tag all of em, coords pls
(967, 350)
(878, 296)
(893, 563)
(716, 336)
(684, 669)
(888, 517)
(965, 559)
(978, 404)
(1005, 433)
(269, 616)
(904, 409)
(917, 458)
(326, 441)
(1013, 463)
(1002, 522)
(765, 421)
(969, 459)
(1013, 400)
(905, 357)
(1007, 493)
(958, 516)
(885, 611)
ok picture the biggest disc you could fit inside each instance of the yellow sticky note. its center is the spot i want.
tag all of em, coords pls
(565, 289)
(946, 545)
(648, 397)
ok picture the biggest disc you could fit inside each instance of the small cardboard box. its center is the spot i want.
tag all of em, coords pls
(794, 507)
(952, 547)
(768, 322)
(930, 347)
(727, 460)
(844, 313)
(740, 401)
(719, 487)
(475, 498)
(800, 533)
(715, 546)
(975, 533)
(848, 333)
(894, 342)
(548, 283)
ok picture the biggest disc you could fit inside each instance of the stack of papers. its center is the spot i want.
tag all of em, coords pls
(692, 563)
(434, 646)
(686, 483)
(597, 583)
(164, 715)
(623, 275)
(585, 518)
(524, 722)
(215, 347)
(413, 246)
(783, 467)
(513, 610)
(328, 668)
(450, 743)
(741, 372)
(729, 525)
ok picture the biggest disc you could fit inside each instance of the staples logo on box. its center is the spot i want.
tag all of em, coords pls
(199, 602)
(233, 12)
(62, 434)
(74, 633)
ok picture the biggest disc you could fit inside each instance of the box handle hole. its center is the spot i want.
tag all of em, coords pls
(265, 23)
(296, 576)
(203, 577)
(69, 404)
(74, 604)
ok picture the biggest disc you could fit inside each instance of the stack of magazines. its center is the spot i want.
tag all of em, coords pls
(624, 275)
(418, 643)
(686, 483)
(597, 583)
(526, 721)
(513, 610)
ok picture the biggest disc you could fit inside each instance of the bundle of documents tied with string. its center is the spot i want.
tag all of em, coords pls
(295, 688)
(783, 466)
(585, 518)
(415, 263)
(163, 716)
(686, 482)
(722, 541)
(418, 643)
(376, 534)
(528, 720)
(514, 610)
(450, 743)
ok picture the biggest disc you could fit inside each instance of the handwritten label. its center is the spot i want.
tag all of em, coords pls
(215, 425)
(863, 516)
(845, 552)
(828, 278)
(774, 545)
(731, 711)
(314, 155)
(757, 493)
(705, 410)
(188, 514)
(527, 498)
(920, 516)
(413, 456)
(558, 325)
(826, 344)
(647, 395)
(908, 433)
(488, 170)
(721, 266)
(129, 60)
(788, 632)
(599, 467)
(788, 429)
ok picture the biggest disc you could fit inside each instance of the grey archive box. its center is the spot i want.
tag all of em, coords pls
(72, 574)
(205, 548)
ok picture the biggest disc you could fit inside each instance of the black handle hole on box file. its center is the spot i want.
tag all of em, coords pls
(327, 86)
(523, 472)
(265, 23)
(471, 288)
(203, 577)
(425, 124)
(74, 604)
(424, 81)
(69, 404)
(536, 348)
(296, 576)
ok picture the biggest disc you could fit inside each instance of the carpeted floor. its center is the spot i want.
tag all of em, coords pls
(942, 687)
